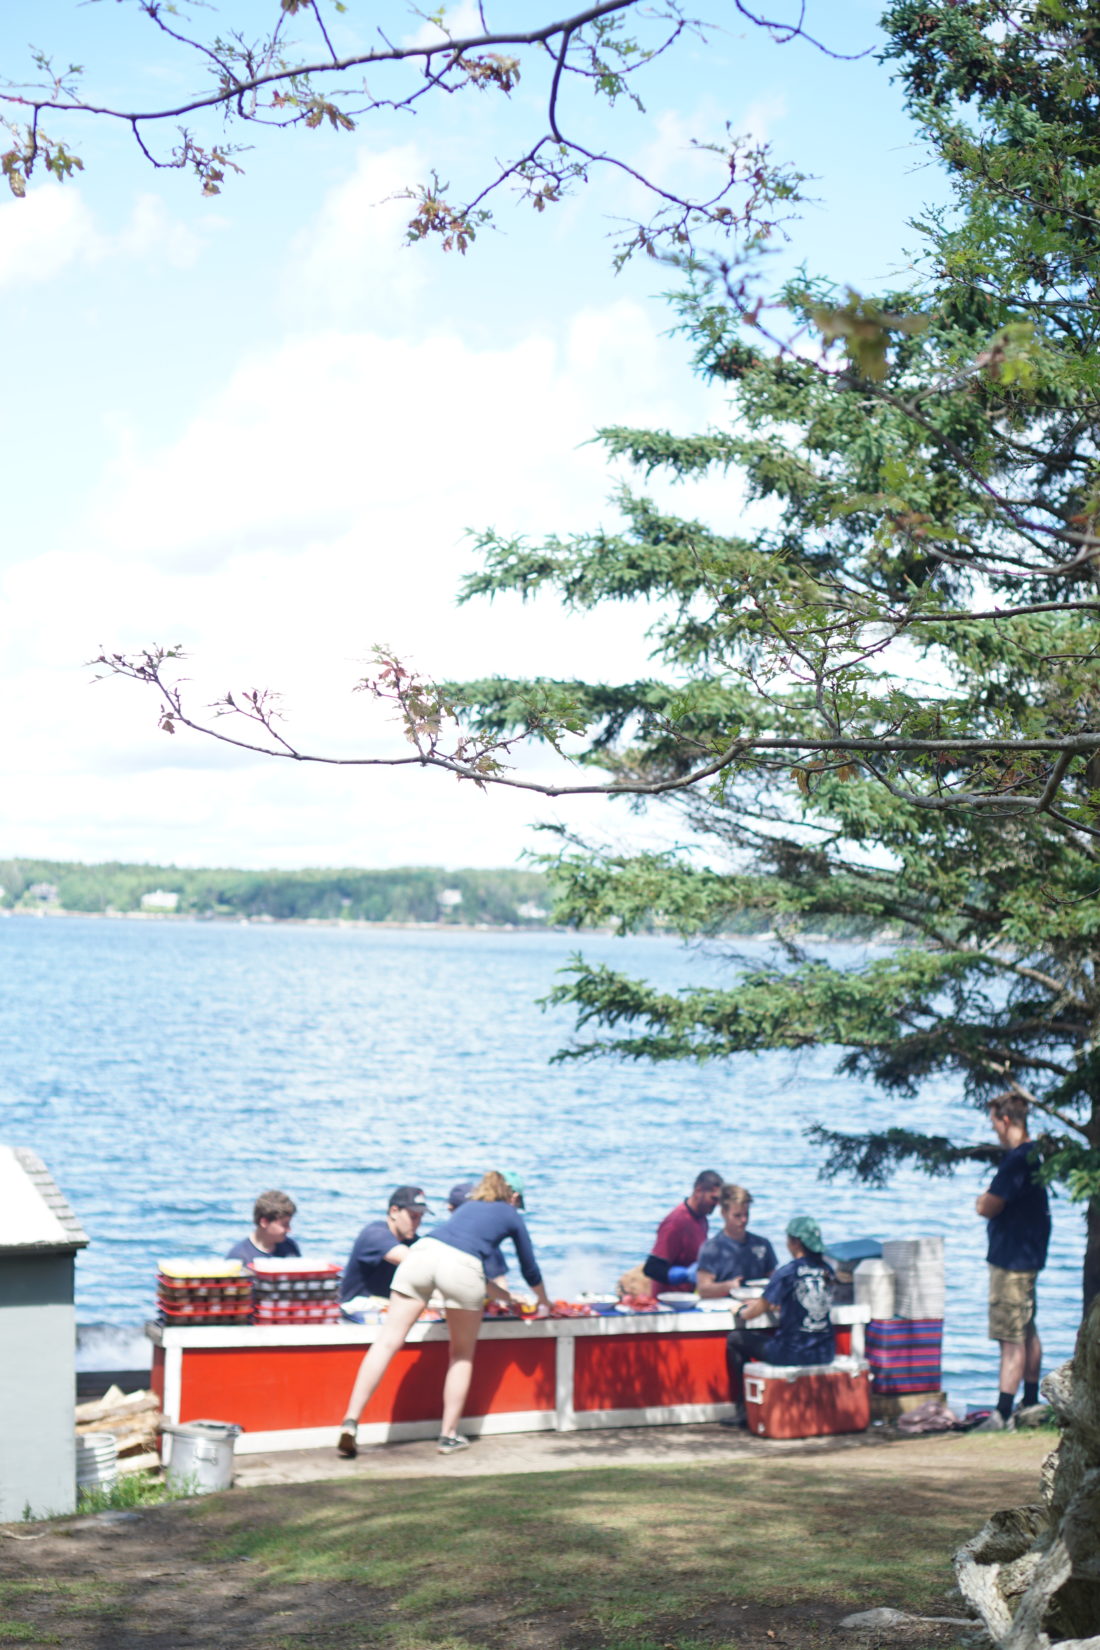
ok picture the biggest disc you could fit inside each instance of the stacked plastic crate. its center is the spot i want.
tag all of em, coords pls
(905, 1335)
(201, 1292)
(295, 1290)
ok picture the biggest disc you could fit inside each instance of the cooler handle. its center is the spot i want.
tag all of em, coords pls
(754, 1389)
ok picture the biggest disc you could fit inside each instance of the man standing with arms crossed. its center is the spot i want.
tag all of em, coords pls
(1018, 1213)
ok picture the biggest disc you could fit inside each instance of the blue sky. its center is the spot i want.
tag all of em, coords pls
(260, 425)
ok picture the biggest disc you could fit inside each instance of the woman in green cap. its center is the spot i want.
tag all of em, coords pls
(450, 1260)
(802, 1291)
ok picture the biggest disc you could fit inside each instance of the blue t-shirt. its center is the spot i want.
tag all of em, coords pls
(247, 1251)
(803, 1292)
(1020, 1234)
(751, 1257)
(480, 1229)
(367, 1271)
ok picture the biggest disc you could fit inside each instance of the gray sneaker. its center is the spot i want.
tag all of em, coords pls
(994, 1422)
(449, 1443)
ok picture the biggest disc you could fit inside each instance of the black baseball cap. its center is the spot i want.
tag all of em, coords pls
(460, 1192)
(409, 1197)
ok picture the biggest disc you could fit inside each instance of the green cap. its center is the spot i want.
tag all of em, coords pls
(515, 1181)
(808, 1233)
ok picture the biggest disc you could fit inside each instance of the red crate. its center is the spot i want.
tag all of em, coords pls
(807, 1401)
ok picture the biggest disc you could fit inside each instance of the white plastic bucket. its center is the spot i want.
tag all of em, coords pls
(873, 1283)
(202, 1455)
(96, 1461)
(918, 1264)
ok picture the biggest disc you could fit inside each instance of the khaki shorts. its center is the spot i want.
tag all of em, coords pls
(1011, 1304)
(431, 1265)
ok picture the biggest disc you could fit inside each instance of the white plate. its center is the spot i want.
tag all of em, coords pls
(679, 1300)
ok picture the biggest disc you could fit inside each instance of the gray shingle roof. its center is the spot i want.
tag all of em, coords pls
(35, 1216)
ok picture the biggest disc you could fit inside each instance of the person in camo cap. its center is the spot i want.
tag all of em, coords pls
(802, 1293)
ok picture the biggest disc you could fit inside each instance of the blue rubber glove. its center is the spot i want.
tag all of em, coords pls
(682, 1274)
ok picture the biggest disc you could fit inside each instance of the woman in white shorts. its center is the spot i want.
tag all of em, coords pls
(451, 1259)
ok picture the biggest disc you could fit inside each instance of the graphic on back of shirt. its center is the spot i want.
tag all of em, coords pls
(813, 1293)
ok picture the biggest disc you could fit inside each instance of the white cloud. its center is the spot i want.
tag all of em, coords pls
(352, 259)
(43, 233)
(52, 229)
(315, 505)
(460, 21)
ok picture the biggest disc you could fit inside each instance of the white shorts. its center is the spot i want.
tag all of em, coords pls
(431, 1265)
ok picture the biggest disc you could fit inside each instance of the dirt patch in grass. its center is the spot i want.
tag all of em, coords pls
(746, 1553)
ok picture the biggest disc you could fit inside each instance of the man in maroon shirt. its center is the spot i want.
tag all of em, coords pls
(681, 1235)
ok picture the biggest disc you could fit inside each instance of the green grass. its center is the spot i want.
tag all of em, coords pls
(629, 1557)
(736, 1553)
(135, 1489)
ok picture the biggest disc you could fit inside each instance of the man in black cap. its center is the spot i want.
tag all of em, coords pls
(382, 1245)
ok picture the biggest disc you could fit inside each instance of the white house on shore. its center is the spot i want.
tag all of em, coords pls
(159, 899)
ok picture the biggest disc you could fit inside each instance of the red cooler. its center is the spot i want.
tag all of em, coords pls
(807, 1400)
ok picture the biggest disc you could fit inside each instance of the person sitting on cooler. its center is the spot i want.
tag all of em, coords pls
(802, 1291)
(734, 1255)
(681, 1235)
(271, 1218)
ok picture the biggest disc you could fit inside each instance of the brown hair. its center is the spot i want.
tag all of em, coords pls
(708, 1181)
(734, 1197)
(492, 1188)
(273, 1206)
(1011, 1107)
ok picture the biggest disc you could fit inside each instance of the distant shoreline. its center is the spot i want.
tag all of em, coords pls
(766, 936)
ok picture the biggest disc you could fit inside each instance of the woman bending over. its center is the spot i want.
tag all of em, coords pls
(451, 1259)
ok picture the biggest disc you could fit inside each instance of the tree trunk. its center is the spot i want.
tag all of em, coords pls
(1091, 1271)
(1033, 1574)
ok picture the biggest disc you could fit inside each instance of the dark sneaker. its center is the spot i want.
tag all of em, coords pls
(346, 1444)
(737, 1419)
(449, 1443)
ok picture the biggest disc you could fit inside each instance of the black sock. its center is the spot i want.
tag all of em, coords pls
(1031, 1392)
(1004, 1404)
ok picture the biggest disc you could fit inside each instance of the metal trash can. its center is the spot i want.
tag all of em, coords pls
(202, 1455)
(96, 1461)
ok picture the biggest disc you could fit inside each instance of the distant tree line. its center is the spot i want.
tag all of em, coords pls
(527, 899)
(414, 894)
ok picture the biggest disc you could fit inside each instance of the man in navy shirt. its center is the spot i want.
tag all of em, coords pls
(1018, 1213)
(382, 1245)
(271, 1218)
(733, 1255)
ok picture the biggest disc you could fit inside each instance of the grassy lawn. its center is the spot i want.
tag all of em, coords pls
(739, 1553)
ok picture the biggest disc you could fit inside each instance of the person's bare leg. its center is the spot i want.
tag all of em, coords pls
(1013, 1355)
(402, 1313)
(463, 1328)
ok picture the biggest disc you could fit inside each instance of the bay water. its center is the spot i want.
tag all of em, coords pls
(167, 1071)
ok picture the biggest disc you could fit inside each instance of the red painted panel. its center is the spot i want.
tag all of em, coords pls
(273, 1389)
(650, 1371)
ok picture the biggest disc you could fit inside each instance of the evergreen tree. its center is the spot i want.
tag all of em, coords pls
(895, 681)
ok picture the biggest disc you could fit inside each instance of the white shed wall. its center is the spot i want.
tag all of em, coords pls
(37, 1385)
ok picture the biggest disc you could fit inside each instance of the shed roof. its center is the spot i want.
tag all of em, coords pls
(35, 1216)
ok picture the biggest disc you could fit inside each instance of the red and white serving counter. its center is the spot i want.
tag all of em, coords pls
(288, 1386)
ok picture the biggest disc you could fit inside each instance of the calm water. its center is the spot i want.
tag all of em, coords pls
(167, 1071)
